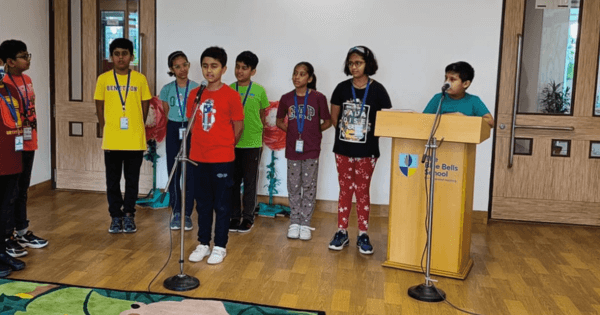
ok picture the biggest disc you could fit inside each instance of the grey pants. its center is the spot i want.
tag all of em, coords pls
(302, 189)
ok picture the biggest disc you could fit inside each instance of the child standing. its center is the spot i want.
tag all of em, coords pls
(17, 60)
(174, 97)
(248, 150)
(122, 99)
(305, 108)
(356, 147)
(217, 128)
(11, 146)
(460, 75)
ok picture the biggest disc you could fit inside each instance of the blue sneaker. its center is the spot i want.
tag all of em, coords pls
(176, 221)
(364, 245)
(116, 225)
(129, 224)
(340, 239)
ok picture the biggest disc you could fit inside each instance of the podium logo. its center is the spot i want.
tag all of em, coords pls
(408, 163)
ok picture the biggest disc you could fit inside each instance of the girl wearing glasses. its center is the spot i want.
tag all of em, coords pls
(354, 105)
(174, 98)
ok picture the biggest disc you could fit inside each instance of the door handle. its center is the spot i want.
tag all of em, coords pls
(545, 127)
(511, 152)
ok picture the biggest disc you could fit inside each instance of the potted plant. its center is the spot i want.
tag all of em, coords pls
(554, 100)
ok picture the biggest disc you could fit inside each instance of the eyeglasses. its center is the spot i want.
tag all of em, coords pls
(25, 56)
(185, 65)
(360, 49)
(356, 63)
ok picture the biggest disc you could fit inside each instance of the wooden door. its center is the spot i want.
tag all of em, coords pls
(546, 165)
(82, 32)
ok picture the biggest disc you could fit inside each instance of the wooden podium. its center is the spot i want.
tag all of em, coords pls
(453, 200)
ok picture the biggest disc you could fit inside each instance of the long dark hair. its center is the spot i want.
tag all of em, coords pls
(310, 70)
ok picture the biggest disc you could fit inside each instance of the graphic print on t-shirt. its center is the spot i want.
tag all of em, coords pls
(208, 112)
(354, 125)
(308, 116)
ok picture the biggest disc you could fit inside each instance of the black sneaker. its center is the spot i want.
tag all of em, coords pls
(129, 224)
(13, 263)
(4, 270)
(13, 248)
(234, 225)
(30, 240)
(364, 245)
(245, 226)
(340, 239)
(116, 225)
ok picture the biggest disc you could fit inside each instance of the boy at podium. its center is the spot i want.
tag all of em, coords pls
(459, 76)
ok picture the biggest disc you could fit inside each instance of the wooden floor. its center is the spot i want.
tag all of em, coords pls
(519, 268)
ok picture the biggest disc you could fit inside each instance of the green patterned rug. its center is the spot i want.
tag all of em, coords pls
(23, 297)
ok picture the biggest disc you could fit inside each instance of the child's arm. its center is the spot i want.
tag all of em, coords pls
(281, 124)
(100, 114)
(238, 128)
(145, 105)
(325, 125)
(335, 114)
(166, 108)
(489, 119)
(263, 117)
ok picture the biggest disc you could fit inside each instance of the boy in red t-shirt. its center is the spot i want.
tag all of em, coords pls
(17, 60)
(216, 130)
(11, 145)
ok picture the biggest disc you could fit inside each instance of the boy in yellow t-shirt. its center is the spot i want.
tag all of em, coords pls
(122, 99)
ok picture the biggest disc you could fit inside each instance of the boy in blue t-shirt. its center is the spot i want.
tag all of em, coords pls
(460, 75)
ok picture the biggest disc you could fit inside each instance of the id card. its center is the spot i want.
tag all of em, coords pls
(181, 133)
(19, 143)
(124, 123)
(27, 133)
(299, 146)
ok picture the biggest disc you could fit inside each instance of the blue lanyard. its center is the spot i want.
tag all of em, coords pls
(247, 92)
(362, 105)
(11, 106)
(119, 88)
(25, 100)
(300, 117)
(185, 96)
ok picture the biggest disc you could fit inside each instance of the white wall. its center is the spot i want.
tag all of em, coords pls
(412, 40)
(28, 20)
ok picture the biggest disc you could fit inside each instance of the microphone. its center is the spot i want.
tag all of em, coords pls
(199, 95)
(445, 87)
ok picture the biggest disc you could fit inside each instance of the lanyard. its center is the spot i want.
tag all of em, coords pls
(247, 92)
(362, 105)
(11, 106)
(300, 117)
(185, 96)
(25, 100)
(119, 88)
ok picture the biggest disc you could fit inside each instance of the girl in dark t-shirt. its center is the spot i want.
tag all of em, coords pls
(354, 105)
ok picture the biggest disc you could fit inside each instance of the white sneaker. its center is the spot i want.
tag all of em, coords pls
(305, 233)
(217, 255)
(199, 253)
(293, 231)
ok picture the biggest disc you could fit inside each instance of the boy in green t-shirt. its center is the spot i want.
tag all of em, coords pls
(459, 76)
(122, 100)
(248, 150)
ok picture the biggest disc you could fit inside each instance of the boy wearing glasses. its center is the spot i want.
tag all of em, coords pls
(17, 60)
(122, 99)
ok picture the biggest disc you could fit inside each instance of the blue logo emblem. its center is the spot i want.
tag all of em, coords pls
(408, 163)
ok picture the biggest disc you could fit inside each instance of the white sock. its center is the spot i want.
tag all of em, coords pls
(22, 232)
(361, 233)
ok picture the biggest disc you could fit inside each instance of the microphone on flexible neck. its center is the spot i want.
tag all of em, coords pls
(199, 94)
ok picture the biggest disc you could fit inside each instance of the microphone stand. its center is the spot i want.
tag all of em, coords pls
(181, 281)
(427, 292)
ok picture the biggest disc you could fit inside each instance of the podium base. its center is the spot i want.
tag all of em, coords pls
(425, 293)
(181, 283)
